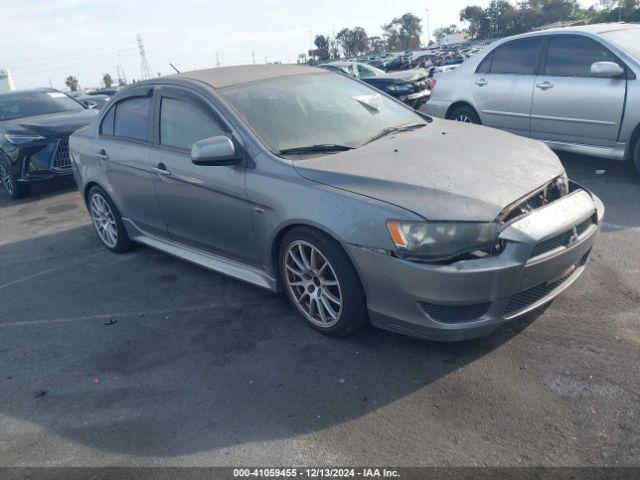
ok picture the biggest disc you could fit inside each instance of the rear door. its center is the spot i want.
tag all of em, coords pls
(503, 85)
(205, 207)
(123, 148)
(571, 106)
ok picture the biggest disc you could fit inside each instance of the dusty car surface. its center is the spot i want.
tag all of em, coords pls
(574, 88)
(359, 208)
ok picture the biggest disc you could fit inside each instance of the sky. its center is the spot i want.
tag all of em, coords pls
(44, 41)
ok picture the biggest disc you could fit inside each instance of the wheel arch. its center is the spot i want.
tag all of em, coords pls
(276, 243)
(460, 103)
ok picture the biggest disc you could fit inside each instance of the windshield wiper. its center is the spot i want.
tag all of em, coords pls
(401, 128)
(321, 148)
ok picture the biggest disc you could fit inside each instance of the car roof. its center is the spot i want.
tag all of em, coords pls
(226, 76)
(595, 29)
(30, 90)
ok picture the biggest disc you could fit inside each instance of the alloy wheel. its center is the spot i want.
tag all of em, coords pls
(313, 284)
(464, 118)
(5, 179)
(104, 220)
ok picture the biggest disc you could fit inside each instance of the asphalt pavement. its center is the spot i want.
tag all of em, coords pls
(142, 359)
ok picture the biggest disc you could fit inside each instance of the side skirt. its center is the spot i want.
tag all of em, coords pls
(206, 260)
(614, 153)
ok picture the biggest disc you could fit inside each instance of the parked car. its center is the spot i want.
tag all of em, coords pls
(359, 208)
(92, 100)
(412, 87)
(574, 88)
(34, 136)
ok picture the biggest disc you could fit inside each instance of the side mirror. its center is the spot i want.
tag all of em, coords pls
(90, 104)
(606, 70)
(214, 151)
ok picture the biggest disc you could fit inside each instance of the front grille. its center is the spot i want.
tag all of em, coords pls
(455, 314)
(62, 158)
(563, 239)
(522, 300)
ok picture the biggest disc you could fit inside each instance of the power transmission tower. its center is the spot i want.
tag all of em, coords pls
(217, 61)
(253, 56)
(124, 75)
(145, 69)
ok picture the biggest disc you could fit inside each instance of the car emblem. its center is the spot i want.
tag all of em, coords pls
(573, 238)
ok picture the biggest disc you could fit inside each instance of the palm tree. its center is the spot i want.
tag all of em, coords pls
(72, 83)
(107, 80)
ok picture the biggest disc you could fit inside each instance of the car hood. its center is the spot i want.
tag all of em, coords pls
(443, 171)
(52, 123)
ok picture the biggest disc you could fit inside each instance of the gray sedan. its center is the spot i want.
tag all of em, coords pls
(360, 209)
(575, 88)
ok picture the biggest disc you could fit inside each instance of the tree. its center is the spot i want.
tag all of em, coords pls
(354, 41)
(501, 18)
(478, 22)
(440, 33)
(403, 33)
(322, 48)
(72, 83)
(377, 45)
(107, 80)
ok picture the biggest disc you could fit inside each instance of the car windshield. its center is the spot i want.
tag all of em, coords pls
(627, 40)
(29, 104)
(316, 109)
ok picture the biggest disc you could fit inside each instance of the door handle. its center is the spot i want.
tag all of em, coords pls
(102, 154)
(544, 85)
(481, 83)
(161, 169)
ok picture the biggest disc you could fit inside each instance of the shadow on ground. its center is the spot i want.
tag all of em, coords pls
(40, 191)
(146, 355)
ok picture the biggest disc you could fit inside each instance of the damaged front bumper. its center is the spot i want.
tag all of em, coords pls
(545, 252)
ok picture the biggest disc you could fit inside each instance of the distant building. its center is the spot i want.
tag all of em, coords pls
(6, 84)
(453, 39)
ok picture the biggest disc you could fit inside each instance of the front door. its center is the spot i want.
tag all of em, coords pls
(205, 207)
(503, 85)
(569, 104)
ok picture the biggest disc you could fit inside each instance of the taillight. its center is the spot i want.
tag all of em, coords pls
(432, 83)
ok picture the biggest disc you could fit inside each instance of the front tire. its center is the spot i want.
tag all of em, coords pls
(107, 221)
(321, 282)
(10, 183)
(465, 114)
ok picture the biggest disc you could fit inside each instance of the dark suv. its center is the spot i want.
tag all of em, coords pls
(34, 136)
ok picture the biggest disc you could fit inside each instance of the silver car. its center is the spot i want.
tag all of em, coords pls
(576, 89)
(293, 178)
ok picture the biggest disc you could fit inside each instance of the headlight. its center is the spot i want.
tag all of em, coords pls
(18, 139)
(442, 240)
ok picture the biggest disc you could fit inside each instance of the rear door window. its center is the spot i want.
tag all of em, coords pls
(132, 118)
(106, 127)
(520, 57)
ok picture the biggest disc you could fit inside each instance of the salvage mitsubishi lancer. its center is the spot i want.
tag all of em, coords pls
(359, 208)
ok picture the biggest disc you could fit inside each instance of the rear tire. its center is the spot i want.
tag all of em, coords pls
(10, 183)
(107, 221)
(321, 282)
(635, 159)
(465, 114)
